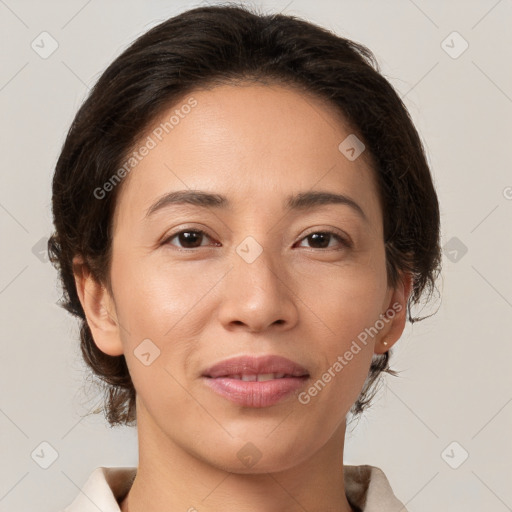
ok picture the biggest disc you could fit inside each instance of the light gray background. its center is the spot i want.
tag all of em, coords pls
(456, 380)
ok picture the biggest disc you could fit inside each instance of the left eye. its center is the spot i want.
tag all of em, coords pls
(322, 239)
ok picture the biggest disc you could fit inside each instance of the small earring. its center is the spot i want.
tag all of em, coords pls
(385, 343)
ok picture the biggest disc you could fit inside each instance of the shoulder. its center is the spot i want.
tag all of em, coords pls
(368, 488)
(103, 489)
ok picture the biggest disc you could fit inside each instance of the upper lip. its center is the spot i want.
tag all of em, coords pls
(251, 365)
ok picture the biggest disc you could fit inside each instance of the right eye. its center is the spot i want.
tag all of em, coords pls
(188, 238)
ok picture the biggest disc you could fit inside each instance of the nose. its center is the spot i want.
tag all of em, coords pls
(257, 295)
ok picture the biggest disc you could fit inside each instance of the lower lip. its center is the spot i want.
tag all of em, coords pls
(255, 394)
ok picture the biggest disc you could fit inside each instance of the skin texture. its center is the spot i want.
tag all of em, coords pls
(257, 145)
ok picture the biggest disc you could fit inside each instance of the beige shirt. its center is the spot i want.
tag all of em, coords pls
(366, 488)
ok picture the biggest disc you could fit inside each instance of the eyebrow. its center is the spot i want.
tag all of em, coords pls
(300, 202)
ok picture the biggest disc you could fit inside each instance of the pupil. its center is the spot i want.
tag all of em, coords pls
(324, 236)
(188, 237)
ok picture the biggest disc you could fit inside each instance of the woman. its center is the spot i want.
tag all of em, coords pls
(244, 216)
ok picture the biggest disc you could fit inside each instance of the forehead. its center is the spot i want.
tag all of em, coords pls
(253, 143)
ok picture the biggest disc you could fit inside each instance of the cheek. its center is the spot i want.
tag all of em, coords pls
(156, 302)
(349, 303)
(349, 299)
(167, 304)
(154, 296)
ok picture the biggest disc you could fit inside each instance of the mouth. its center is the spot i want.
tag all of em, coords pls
(260, 377)
(256, 382)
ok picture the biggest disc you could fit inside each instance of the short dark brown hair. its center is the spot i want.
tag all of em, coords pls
(226, 44)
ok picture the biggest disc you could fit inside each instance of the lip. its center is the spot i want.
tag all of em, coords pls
(254, 365)
(219, 378)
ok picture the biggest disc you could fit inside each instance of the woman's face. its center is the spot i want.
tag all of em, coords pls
(300, 282)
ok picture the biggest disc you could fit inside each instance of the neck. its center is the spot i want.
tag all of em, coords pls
(169, 478)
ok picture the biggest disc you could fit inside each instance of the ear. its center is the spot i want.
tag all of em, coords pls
(396, 313)
(99, 309)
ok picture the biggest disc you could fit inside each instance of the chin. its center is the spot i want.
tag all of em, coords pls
(258, 453)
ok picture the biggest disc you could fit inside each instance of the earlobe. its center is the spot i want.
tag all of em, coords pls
(396, 313)
(99, 309)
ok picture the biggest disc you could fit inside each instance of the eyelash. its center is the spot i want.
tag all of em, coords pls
(346, 243)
